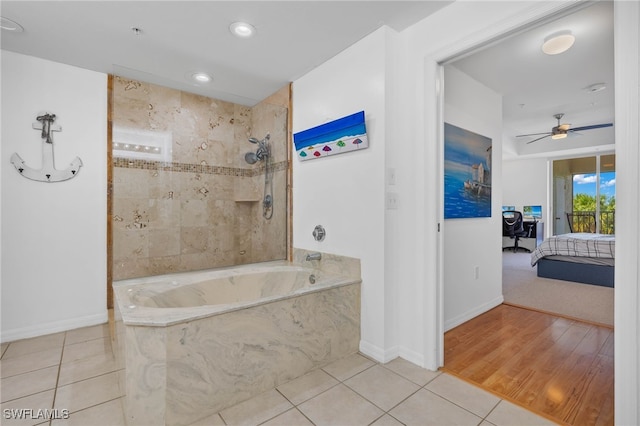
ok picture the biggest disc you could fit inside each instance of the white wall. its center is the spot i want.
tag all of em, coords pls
(397, 83)
(525, 183)
(475, 242)
(53, 234)
(345, 193)
(453, 29)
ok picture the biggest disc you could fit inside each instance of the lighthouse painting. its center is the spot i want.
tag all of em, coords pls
(467, 174)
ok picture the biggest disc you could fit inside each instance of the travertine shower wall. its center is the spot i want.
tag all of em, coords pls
(184, 198)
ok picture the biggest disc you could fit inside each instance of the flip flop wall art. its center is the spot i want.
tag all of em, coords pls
(336, 137)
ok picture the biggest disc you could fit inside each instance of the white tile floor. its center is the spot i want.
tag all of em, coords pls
(75, 371)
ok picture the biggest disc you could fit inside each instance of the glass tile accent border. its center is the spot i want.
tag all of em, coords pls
(129, 163)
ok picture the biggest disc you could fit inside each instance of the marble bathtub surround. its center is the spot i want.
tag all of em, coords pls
(201, 207)
(186, 361)
(174, 298)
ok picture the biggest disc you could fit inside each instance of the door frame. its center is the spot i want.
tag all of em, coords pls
(627, 107)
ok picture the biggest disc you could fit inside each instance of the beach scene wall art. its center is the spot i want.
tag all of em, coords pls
(467, 174)
(345, 134)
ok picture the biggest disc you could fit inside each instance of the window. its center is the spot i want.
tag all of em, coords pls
(579, 182)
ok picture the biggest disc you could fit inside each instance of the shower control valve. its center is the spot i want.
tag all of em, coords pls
(319, 233)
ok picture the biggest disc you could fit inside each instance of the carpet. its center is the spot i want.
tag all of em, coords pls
(522, 287)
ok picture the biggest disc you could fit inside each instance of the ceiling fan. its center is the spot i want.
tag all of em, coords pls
(562, 130)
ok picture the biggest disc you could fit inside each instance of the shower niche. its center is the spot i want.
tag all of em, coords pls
(185, 196)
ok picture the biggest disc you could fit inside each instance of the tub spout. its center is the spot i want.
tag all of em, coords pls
(314, 256)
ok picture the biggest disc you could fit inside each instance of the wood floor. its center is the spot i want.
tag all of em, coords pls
(556, 367)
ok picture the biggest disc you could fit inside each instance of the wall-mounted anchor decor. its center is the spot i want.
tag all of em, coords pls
(48, 173)
(336, 137)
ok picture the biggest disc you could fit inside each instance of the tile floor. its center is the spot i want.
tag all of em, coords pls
(76, 371)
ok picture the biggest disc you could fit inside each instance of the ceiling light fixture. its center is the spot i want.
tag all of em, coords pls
(558, 42)
(9, 25)
(201, 77)
(559, 136)
(242, 29)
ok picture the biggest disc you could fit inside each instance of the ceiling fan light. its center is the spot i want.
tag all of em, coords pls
(559, 136)
(558, 42)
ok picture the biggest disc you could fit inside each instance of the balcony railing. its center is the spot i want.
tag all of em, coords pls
(608, 222)
(585, 221)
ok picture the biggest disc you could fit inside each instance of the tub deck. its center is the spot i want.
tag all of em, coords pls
(170, 299)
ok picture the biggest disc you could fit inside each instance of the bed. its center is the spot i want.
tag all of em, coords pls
(578, 257)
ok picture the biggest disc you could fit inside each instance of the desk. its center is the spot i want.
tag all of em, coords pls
(535, 235)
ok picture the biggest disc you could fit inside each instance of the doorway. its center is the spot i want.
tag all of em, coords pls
(627, 43)
(544, 174)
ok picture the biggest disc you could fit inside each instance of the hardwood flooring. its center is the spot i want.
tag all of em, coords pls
(556, 367)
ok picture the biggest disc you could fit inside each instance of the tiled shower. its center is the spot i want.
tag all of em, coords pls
(184, 198)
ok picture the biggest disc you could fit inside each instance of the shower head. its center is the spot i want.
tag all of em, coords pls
(251, 157)
(258, 141)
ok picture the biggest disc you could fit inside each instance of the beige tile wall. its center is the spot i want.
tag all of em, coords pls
(203, 208)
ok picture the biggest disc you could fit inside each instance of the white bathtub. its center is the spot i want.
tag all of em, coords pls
(193, 344)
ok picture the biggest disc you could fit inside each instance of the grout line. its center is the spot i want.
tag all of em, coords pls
(27, 372)
(96, 405)
(456, 404)
(492, 410)
(303, 415)
(55, 391)
(89, 378)
(88, 340)
(5, 350)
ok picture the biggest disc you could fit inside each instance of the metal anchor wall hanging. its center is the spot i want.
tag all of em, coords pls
(48, 173)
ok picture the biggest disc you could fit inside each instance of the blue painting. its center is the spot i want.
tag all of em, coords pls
(336, 137)
(532, 212)
(467, 174)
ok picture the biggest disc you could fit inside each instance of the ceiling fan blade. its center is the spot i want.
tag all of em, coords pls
(538, 139)
(594, 126)
(534, 134)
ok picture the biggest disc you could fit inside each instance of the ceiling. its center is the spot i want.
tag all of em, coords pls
(535, 86)
(179, 38)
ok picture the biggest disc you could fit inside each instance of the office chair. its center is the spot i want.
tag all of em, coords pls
(513, 226)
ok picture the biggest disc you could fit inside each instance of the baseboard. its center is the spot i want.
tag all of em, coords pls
(53, 327)
(383, 356)
(374, 352)
(412, 356)
(460, 319)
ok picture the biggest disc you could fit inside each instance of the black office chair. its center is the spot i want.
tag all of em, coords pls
(513, 227)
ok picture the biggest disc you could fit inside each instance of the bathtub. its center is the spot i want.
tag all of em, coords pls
(192, 344)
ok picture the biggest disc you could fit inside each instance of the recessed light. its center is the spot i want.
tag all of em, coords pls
(201, 77)
(9, 25)
(558, 42)
(242, 29)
